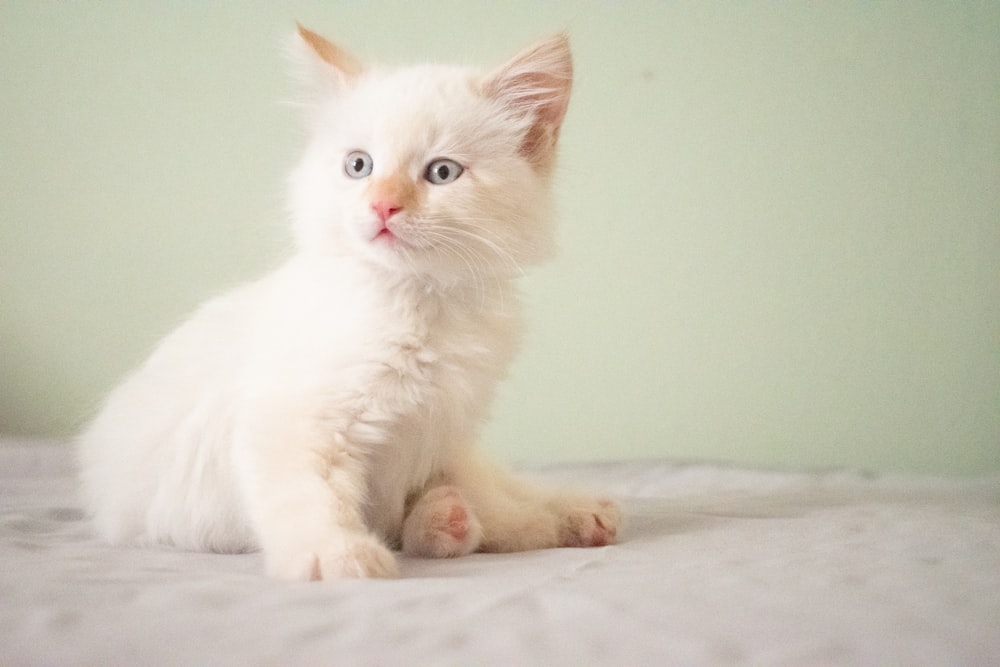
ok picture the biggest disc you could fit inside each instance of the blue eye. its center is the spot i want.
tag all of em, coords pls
(358, 164)
(443, 171)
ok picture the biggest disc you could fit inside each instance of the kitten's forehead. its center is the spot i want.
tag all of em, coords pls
(419, 80)
(428, 91)
(412, 105)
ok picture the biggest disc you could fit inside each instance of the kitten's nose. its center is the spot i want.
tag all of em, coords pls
(385, 210)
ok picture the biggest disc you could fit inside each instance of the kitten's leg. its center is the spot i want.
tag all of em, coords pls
(441, 524)
(305, 488)
(518, 516)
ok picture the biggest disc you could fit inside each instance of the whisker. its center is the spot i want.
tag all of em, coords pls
(483, 235)
(473, 261)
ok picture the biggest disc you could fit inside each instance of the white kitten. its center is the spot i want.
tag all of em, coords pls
(329, 411)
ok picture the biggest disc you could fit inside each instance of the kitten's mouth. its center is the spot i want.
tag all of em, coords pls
(387, 238)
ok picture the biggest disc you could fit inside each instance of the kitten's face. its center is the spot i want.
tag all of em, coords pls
(437, 171)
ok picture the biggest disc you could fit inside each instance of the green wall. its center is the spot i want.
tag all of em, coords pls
(780, 222)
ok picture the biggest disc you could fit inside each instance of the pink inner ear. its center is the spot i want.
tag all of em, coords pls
(540, 141)
(541, 138)
(538, 81)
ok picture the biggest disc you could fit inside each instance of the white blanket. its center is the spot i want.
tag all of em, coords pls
(717, 566)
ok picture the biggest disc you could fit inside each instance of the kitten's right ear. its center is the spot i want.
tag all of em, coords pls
(537, 83)
(323, 64)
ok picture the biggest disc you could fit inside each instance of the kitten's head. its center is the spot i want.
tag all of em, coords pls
(437, 171)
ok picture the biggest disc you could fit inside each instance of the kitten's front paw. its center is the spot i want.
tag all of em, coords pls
(356, 556)
(590, 523)
(441, 525)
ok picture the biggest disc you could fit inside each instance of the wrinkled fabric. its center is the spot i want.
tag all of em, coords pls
(715, 566)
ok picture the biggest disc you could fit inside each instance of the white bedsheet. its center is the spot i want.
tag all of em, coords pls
(717, 566)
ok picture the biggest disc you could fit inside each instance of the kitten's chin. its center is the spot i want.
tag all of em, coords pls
(393, 256)
(392, 250)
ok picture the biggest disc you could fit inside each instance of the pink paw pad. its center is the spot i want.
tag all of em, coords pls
(441, 525)
(593, 527)
(458, 523)
(600, 535)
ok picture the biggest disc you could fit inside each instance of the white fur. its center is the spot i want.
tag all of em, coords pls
(328, 411)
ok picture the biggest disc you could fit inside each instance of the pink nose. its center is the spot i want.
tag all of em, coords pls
(385, 210)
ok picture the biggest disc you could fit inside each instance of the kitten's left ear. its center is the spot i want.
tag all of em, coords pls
(323, 63)
(537, 82)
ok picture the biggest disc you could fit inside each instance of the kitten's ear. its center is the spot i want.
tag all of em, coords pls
(537, 82)
(323, 64)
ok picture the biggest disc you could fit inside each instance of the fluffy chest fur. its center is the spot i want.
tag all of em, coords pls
(402, 369)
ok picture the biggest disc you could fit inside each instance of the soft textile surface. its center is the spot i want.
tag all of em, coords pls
(717, 566)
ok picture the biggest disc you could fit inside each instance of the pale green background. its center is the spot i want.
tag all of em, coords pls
(780, 221)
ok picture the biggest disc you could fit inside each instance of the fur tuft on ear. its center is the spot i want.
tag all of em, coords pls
(537, 82)
(322, 63)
